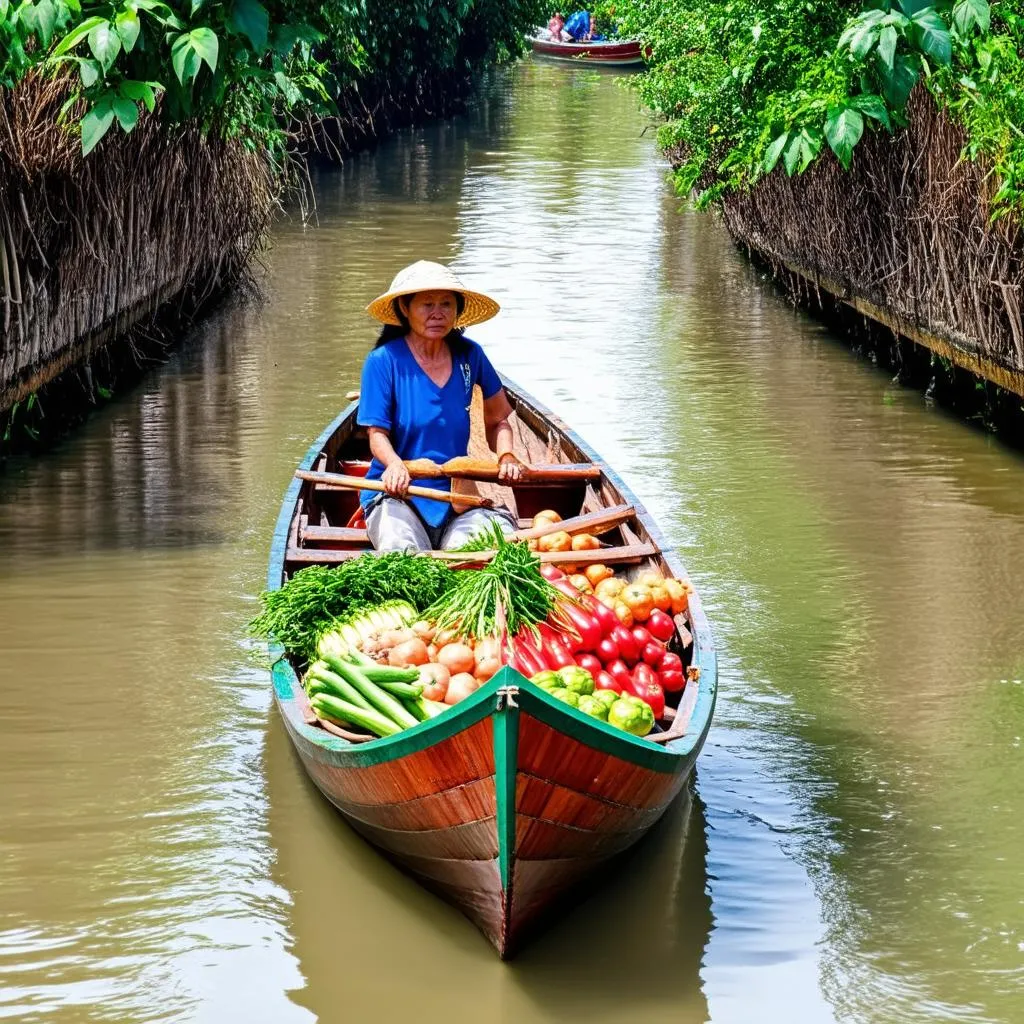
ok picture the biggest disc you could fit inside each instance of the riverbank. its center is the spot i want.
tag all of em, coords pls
(105, 264)
(129, 206)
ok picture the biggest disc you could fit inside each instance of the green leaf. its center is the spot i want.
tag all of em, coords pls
(127, 25)
(897, 84)
(931, 35)
(250, 19)
(874, 107)
(89, 71)
(95, 125)
(184, 59)
(46, 17)
(105, 45)
(810, 146)
(887, 45)
(791, 154)
(139, 91)
(844, 127)
(970, 13)
(289, 89)
(126, 112)
(204, 42)
(774, 151)
(76, 35)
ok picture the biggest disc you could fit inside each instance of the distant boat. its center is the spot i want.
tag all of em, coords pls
(609, 52)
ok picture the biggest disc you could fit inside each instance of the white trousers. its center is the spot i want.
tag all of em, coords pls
(394, 525)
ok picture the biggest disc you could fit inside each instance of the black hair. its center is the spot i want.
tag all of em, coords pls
(391, 331)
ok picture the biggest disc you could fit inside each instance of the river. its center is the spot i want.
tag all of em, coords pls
(852, 849)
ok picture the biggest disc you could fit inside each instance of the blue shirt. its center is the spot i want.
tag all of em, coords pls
(423, 421)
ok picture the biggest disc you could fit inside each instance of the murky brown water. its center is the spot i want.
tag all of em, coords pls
(853, 851)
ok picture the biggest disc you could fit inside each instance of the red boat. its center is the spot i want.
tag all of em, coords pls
(611, 52)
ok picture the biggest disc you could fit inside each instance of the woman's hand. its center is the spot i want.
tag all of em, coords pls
(396, 479)
(510, 469)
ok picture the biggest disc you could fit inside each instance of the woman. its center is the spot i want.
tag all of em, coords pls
(414, 400)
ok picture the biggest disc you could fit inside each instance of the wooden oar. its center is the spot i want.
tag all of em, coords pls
(468, 468)
(340, 481)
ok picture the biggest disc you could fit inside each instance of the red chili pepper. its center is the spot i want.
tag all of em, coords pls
(535, 651)
(565, 587)
(591, 663)
(627, 645)
(551, 573)
(554, 648)
(644, 684)
(525, 659)
(606, 618)
(606, 681)
(586, 625)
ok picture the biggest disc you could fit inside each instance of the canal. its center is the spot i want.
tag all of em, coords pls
(852, 849)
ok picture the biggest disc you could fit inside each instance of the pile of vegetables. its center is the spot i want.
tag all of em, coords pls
(575, 686)
(608, 640)
(393, 640)
(317, 598)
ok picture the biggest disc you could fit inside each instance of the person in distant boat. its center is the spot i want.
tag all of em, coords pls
(593, 36)
(556, 29)
(414, 400)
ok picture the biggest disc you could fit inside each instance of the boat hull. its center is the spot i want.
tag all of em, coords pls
(505, 803)
(610, 54)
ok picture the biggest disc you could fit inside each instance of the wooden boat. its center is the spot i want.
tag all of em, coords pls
(608, 52)
(503, 803)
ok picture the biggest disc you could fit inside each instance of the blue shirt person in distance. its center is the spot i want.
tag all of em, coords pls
(414, 400)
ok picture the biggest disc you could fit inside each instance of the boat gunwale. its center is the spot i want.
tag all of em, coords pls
(332, 749)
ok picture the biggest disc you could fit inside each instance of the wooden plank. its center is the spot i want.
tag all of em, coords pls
(605, 556)
(548, 801)
(468, 468)
(469, 802)
(471, 840)
(341, 482)
(591, 522)
(335, 535)
(547, 840)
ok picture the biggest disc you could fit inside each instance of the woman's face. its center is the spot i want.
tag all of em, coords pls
(431, 314)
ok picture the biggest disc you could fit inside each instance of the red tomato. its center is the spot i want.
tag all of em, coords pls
(607, 650)
(652, 653)
(627, 645)
(644, 684)
(670, 663)
(551, 573)
(606, 681)
(641, 636)
(620, 673)
(591, 663)
(672, 682)
(607, 619)
(661, 626)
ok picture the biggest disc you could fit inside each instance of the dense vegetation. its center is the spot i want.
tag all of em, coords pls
(238, 69)
(746, 85)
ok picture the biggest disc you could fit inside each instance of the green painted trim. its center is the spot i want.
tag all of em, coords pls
(506, 757)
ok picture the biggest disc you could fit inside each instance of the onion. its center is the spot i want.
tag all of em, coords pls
(488, 647)
(412, 652)
(461, 685)
(486, 667)
(435, 679)
(424, 630)
(457, 658)
(394, 637)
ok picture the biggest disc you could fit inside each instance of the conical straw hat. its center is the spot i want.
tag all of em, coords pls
(424, 276)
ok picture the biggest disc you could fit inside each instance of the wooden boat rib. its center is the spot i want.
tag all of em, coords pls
(506, 801)
(611, 52)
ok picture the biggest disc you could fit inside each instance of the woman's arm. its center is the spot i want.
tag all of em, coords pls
(497, 410)
(396, 477)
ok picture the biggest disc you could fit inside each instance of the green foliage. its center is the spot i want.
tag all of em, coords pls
(748, 85)
(238, 69)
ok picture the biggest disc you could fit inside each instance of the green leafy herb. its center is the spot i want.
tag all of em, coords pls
(309, 604)
(508, 591)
